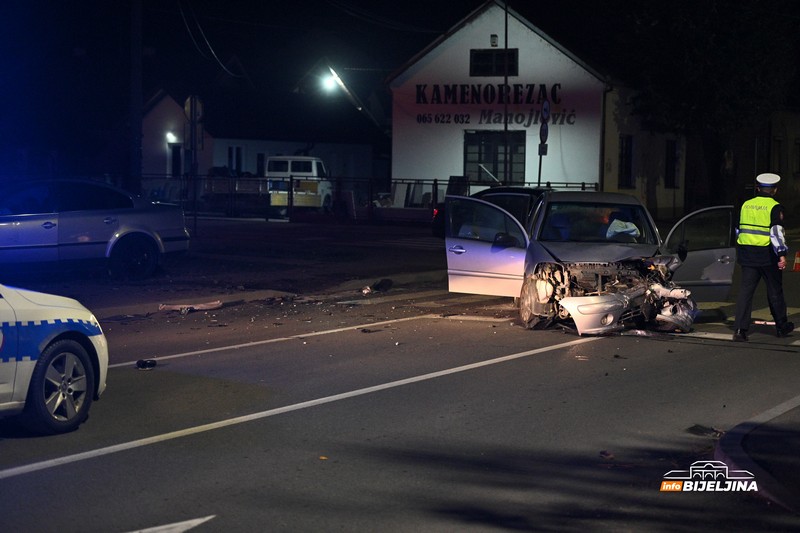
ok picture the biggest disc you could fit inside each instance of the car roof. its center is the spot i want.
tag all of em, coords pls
(293, 158)
(592, 196)
(40, 181)
(511, 189)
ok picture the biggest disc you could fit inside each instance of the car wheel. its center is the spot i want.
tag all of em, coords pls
(61, 389)
(526, 299)
(133, 258)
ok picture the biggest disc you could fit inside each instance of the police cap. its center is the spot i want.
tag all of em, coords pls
(767, 180)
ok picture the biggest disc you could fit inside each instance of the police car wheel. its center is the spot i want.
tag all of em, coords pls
(62, 389)
(133, 258)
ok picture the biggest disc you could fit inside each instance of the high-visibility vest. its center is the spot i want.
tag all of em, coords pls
(755, 221)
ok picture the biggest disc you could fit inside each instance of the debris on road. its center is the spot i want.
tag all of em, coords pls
(146, 364)
(188, 308)
(379, 286)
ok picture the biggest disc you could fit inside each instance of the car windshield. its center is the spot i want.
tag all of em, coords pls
(596, 222)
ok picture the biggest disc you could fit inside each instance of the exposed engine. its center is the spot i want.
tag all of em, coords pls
(605, 297)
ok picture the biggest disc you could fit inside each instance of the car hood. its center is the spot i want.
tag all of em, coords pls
(26, 298)
(588, 252)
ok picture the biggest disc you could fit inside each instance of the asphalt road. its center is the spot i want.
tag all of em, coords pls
(406, 409)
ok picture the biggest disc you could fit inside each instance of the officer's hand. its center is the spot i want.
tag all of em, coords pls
(781, 263)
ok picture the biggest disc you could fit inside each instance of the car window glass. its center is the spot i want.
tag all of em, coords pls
(481, 222)
(703, 231)
(90, 196)
(301, 166)
(321, 170)
(516, 204)
(278, 165)
(27, 200)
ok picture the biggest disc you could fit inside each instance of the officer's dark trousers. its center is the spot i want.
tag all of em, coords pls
(744, 303)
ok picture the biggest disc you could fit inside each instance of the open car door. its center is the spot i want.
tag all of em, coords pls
(485, 248)
(708, 237)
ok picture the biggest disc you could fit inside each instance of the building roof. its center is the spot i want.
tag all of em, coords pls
(491, 4)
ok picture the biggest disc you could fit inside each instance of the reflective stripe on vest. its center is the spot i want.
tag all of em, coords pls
(755, 221)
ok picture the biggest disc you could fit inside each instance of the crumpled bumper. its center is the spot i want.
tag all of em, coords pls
(597, 315)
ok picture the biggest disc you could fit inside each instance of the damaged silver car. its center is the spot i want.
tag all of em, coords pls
(591, 261)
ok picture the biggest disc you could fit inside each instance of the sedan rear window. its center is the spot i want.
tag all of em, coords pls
(88, 196)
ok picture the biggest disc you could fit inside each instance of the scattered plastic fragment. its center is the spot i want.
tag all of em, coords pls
(146, 364)
(188, 308)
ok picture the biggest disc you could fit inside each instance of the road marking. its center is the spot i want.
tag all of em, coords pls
(279, 339)
(178, 527)
(156, 439)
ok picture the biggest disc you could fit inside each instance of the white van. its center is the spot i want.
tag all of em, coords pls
(309, 176)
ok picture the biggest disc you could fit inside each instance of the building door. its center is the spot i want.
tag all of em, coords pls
(494, 157)
(175, 160)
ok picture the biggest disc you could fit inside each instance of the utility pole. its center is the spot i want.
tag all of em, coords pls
(133, 181)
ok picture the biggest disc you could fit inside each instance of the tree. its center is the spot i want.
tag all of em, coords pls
(709, 68)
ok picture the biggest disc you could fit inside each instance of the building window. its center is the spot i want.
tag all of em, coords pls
(796, 158)
(777, 155)
(261, 164)
(492, 157)
(626, 180)
(671, 164)
(492, 62)
(235, 160)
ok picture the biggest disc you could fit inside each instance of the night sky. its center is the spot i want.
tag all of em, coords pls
(67, 64)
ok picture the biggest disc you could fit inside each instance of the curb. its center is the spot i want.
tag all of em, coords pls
(351, 286)
(730, 450)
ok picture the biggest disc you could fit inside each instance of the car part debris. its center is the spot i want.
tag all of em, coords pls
(379, 286)
(602, 298)
(188, 308)
(146, 364)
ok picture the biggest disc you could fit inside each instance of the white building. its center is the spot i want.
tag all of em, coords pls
(456, 113)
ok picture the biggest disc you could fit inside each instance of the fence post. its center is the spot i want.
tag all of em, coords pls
(434, 196)
(290, 199)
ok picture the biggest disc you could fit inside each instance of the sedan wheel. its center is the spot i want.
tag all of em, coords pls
(61, 389)
(133, 258)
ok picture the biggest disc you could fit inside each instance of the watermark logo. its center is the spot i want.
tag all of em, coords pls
(708, 476)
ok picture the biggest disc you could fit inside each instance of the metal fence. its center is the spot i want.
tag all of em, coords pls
(404, 200)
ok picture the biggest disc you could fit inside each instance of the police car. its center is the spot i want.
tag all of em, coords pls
(53, 360)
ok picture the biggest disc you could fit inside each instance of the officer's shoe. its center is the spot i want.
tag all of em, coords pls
(740, 335)
(785, 329)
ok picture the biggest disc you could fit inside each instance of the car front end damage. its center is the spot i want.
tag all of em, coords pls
(605, 297)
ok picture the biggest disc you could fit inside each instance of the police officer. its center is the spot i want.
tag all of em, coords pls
(761, 252)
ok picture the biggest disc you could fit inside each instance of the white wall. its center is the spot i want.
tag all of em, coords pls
(435, 150)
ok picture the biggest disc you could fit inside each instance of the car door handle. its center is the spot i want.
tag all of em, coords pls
(49, 225)
(110, 220)
(458, 249)
(725, 259)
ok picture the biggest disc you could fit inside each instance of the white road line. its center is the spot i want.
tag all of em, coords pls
(108, 450)
(177, 527)
(278, 339)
